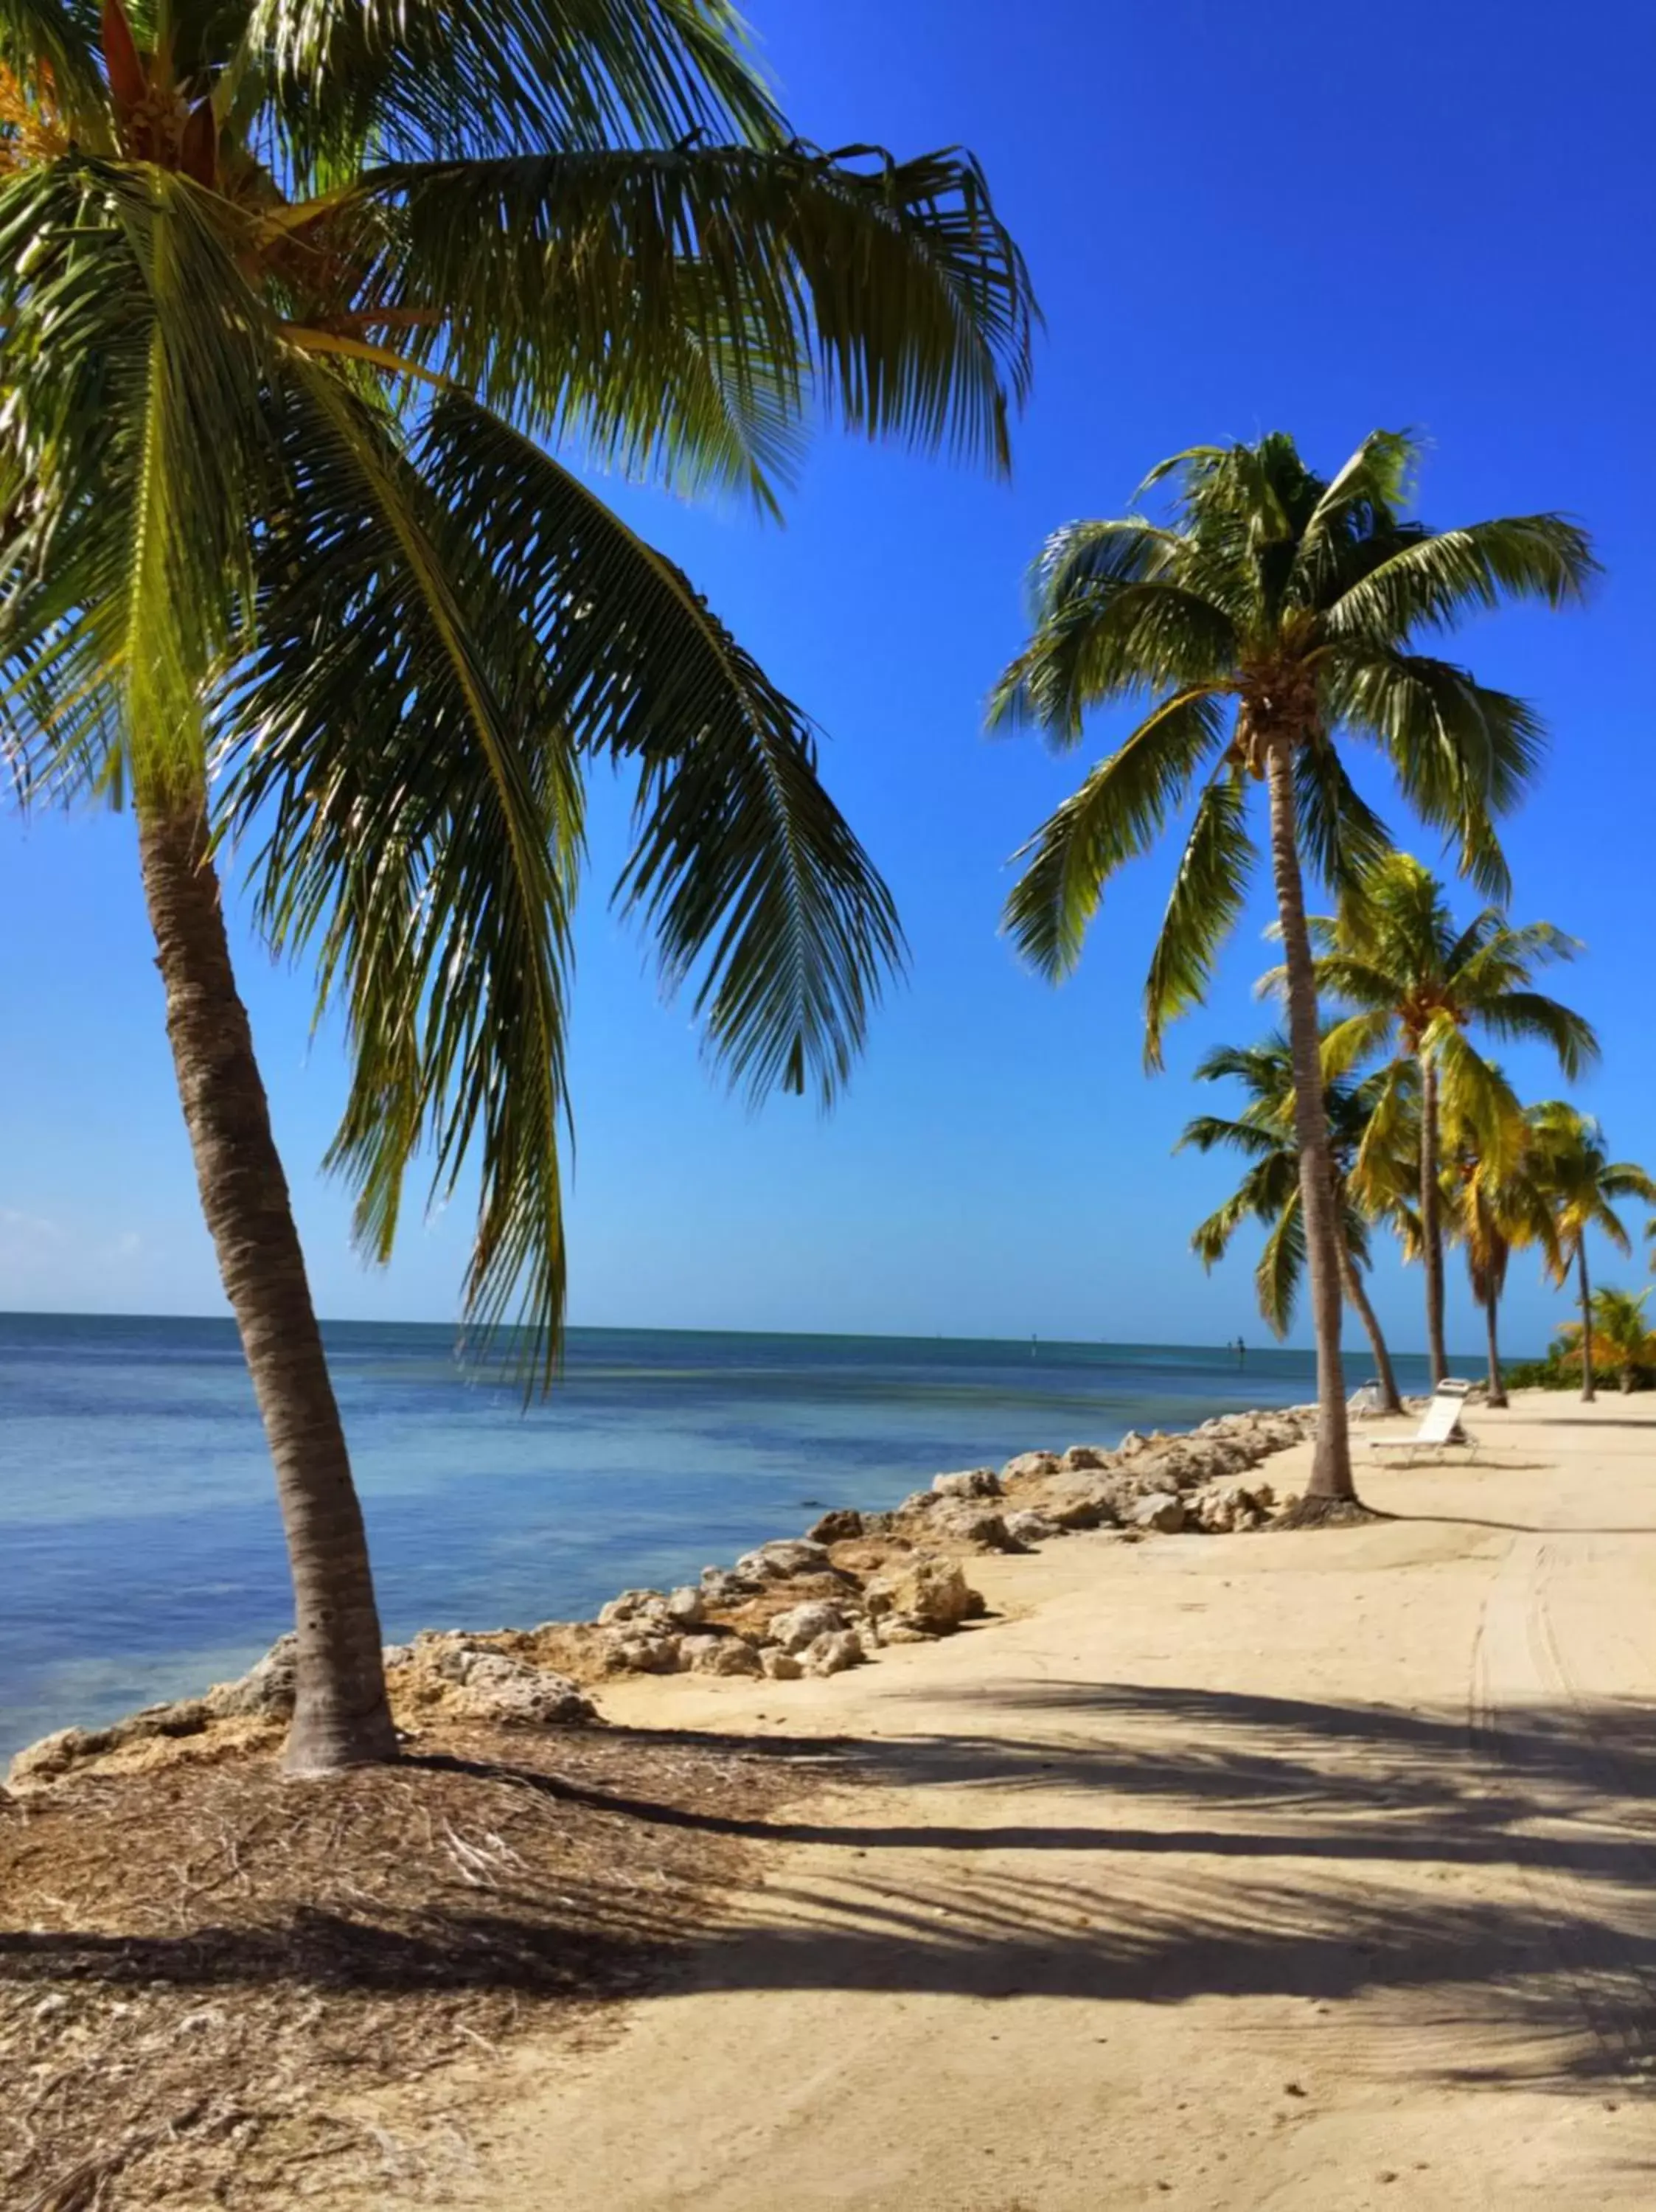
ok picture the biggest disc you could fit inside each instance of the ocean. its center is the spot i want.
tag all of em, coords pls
(141, 1554)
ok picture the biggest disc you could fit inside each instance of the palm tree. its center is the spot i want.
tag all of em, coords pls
(1581, 1181)
(299, 297)
(1620, 1330)
(1495, 1202)
(1268, 1192)
(1272, 621)
(1417, 982)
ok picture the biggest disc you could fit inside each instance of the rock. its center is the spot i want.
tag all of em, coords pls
(1030, 1527)
(780, 1665)
(919, 1501)
(720, 1655)
(685, 1607)
(781, 1561)
(843, 1527)
(496, 1688)
(54, 1755)
(634, 1605)
(897, 1630)
(973, 1482)
(396, 1654)
(926, 1593)
(1076, 1502)
(266, 1690)
(720, 1586)
(1130, 1445)
(968, 1524)
(626, 1654)
(1162, 1511)
(803, 1623)
(1080, 1457)
(189, 1716)
(1028, 1467)
(832, 1654)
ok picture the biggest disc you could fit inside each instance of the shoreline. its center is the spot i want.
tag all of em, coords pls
(817, 1605)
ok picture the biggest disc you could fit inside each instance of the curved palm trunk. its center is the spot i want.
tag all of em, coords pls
(1330, 1484)
(342, 1718)
(1497, 1388)
(1431, 1226)
(1588, 1394)
(1357, 1296)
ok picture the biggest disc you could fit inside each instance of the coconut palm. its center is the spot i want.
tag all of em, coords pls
(1268, 1192)
(1494, 1202)
(1272, 621)
(1581, 1183)
(1621, 1334)
(1417, 982)
(309, 305)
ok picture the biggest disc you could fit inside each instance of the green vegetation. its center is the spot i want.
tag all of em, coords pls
(303, 300)
(1273, 621)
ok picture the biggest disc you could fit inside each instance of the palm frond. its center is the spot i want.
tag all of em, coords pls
(1116, 815)
(1531, 1016)
(1208, 892)
(1281, 1269)
(1437, 581)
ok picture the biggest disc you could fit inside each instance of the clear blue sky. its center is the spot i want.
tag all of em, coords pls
(1238, 219)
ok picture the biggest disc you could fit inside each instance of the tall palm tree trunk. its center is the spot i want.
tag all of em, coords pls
(1588, 1394)
(1497, 1388)
(1357, 1297)
(342, 1718)
(1431, 1226)
(1330, 1486)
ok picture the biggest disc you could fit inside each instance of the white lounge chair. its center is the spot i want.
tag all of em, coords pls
(1364, 1400)
(1439, 1426)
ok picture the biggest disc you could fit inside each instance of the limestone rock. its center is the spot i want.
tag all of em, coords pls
(1131, 1443)
(1081, 1457)
(266, 1690)
(1162, 1510)
(686, 1607)
(803, 1623)
(626, 1653)
(634, 1605)
(1074, 1502)
(1032, 1528)
(720, 1586)
(780, 1665)
(841, 1526)
(971, 1482)
(978, 1525)
(926, 1593)
(496, 1688)
(720, 1655)
(1028, 1467)
(781, 1561)
(833, 1654)
(55, 1754)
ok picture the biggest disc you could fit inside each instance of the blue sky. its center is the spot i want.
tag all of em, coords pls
(1238, 219)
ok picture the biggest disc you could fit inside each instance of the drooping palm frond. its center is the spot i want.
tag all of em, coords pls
(1208, 892)
(1118, 812)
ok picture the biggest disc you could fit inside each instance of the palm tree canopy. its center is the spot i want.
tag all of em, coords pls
(1581, 1181)
(1272, 606)
(1621, 1331)
(299, 297)
(1416, 982)
(1268, 1192)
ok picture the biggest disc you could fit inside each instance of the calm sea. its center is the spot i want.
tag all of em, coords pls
(141, 1556)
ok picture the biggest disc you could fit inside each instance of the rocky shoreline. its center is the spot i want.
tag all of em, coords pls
(795, 1607)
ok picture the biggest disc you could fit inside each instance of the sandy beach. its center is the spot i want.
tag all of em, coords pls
(1289, 1871)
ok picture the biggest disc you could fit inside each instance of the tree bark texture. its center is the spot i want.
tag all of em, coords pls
(1588, 1392)
(1357, 1297)
(1497, 1388)
(342, 1718)
(1431, 1226)
(1331, 1471)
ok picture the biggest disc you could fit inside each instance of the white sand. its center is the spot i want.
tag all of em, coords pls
(1311, 1871)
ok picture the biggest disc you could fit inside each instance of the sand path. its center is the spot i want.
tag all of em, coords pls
(1300, 1871)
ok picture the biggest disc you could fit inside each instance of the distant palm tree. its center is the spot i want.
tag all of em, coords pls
(1272, 623)
(1418, 982)
(1268, 1192)
(1621, 1333)
(1495, 1202)
(298, 296)
(1581, 1181)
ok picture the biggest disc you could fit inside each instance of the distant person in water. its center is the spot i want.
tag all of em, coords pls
(1242, 1351)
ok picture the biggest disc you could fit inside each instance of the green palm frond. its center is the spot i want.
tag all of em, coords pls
(1118, 813)
(1530, 1015)
(1281, 1268)
(1208, 893)
(1435, 582)
(51, 47)
(633, 297)
(1342, 836)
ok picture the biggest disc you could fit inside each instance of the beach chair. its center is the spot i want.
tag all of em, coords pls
(1439, 1426)
(1364, 1401)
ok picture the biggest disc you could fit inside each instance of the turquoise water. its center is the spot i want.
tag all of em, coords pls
(141, 1556)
